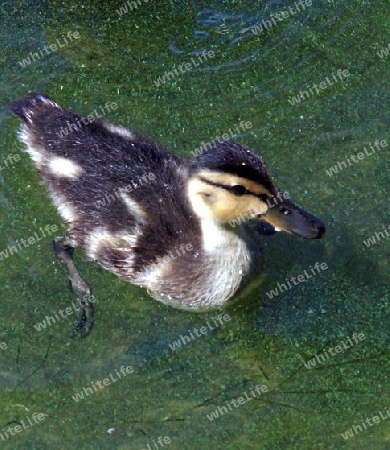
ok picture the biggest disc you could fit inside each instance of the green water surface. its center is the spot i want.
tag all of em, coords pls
(266, 341)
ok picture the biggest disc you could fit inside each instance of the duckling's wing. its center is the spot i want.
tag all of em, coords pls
(122, 195)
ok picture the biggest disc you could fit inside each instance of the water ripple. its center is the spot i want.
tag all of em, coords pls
(234, 36)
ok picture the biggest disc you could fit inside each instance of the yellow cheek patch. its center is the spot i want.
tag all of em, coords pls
(232, 208)
(215, 202)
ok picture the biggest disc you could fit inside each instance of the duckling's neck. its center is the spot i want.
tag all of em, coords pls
(217, 237)
(229, 258)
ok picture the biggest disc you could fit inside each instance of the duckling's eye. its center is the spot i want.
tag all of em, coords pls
(263, 197)
(239, 190)
(284, 210)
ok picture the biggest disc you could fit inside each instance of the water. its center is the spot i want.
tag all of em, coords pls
(258, 78)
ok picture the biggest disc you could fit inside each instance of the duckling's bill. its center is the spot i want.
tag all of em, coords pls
(285, 216)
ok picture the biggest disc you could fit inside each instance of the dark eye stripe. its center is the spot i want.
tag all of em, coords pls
(263, 197)
(236, 189)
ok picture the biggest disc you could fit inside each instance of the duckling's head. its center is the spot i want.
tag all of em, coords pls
(229, 184)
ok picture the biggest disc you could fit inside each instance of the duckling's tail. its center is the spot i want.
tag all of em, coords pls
(29, 105)
(39, 115)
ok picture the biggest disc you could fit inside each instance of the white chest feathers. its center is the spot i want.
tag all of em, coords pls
(230, 261)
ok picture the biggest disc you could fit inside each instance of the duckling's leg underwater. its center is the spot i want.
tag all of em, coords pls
(81, 291)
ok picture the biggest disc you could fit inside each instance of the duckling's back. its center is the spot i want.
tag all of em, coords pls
(117, 191)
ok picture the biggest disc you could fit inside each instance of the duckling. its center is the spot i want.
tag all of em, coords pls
(159, 220)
